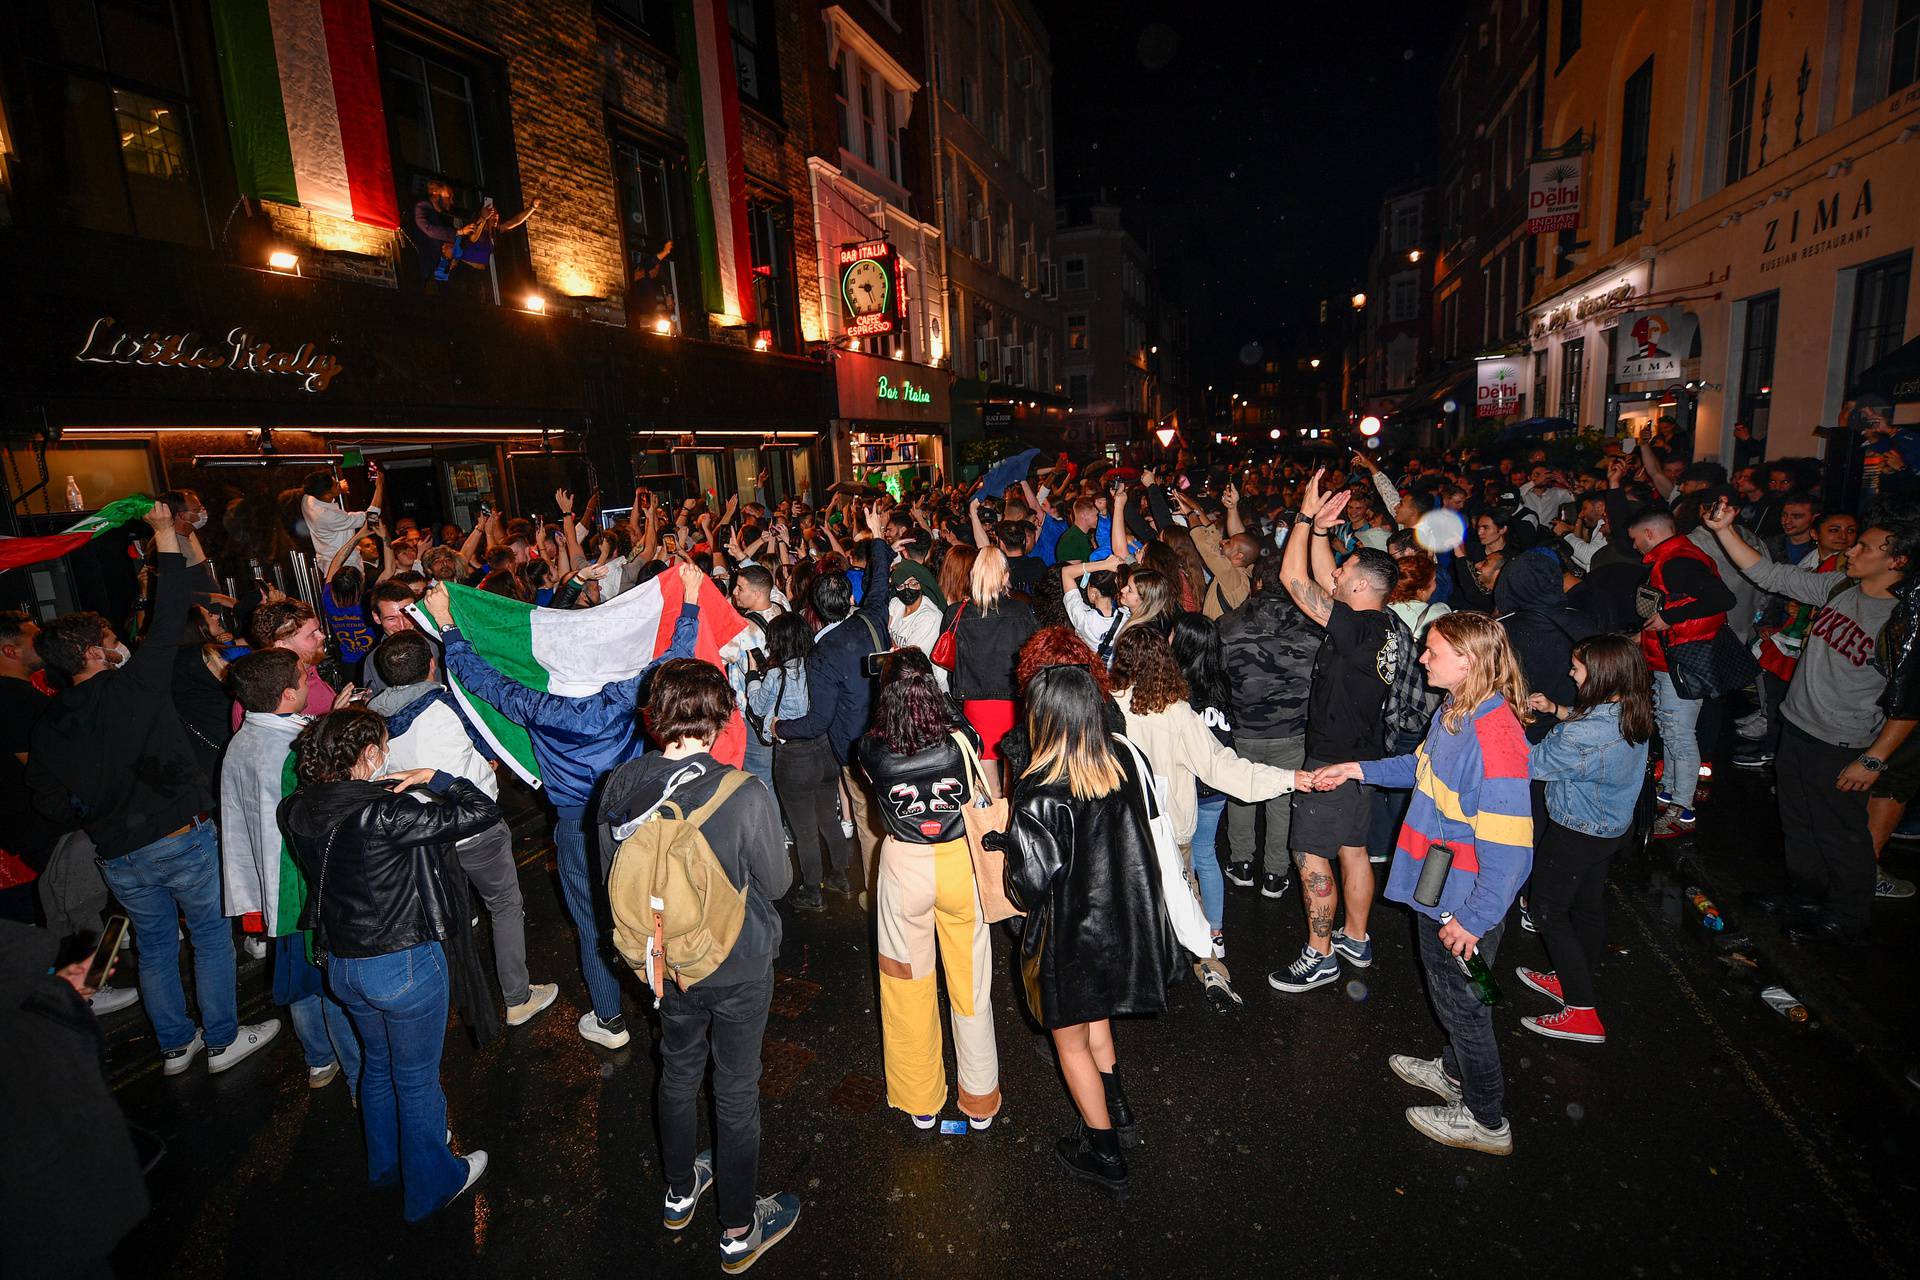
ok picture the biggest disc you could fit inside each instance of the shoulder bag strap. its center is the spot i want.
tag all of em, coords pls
(734, 780)
(970, 760)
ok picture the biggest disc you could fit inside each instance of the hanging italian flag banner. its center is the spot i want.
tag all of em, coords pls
(716, 157)
(17, 552)
(303, 105)
(578, 652)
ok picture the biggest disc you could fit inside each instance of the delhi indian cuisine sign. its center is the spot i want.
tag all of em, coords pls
(1553, 195)
(239, 351)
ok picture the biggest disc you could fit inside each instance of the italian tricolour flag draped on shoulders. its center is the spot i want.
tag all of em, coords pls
(578, 652)
(303, 105)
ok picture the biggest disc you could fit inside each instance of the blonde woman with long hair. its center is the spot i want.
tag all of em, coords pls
(1471, 804)
(1096, 941)
(989, 627)
(1150, 601)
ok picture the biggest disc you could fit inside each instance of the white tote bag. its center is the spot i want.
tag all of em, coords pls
(1189, 922)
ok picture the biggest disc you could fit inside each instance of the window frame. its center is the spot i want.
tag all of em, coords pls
(764, 46)
(1743, 79)
(1636, 97)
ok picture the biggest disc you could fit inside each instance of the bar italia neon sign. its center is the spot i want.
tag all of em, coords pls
(105, 344)
(906, 391)
(872, 299)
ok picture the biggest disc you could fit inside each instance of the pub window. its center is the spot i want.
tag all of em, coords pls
(132, 165)
(1879, 313)
(1743, 62)
(1077, 389)
(1573, 371)
(754, 60)
(1076, 331)
(1569, 30)
(660, 281)
(770, 224)
(1756, 362)
(1636, 116)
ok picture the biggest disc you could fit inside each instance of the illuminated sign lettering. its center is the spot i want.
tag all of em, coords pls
(872, 299)
(106, 344)
(905, 391)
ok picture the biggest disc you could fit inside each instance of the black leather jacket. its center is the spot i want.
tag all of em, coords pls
(921, 795)
(389, 882)
(1898, 652)
(1097, 941)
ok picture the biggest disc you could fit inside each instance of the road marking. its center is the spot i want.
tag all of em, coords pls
(1797, 1137)
(535, 856)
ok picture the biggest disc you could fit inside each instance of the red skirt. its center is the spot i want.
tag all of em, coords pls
(990, 718)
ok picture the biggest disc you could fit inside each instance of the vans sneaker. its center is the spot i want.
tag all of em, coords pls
(608, 1033)
(678, 1211)
(1359, 953)
(114, 999)
(1426, 1073)
(1308, 971)
(1454, 1126)
(773, 1217)
(252, 1038)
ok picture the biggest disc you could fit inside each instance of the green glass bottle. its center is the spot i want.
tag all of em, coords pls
(1477, 971)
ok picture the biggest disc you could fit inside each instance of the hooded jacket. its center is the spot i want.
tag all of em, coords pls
(425, 730)
(1532, 601)
(1096, 940)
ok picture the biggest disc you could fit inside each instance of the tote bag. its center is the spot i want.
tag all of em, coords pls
(1183, 909)
(983, 814)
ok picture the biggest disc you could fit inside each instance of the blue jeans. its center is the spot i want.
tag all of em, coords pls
(1206, 859)
(1677, 717)
(1472, 1053)
(326, 1035)
(759, 759)
(158, 883)
(583, 885)
(399, 1006)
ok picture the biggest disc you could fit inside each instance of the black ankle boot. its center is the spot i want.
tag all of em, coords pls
(1119, 1114)
(1093, 1155)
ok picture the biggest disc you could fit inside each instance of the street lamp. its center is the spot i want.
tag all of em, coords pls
(1274, 434)
(1369, 426)
(1359, 301)
(1413, 255)
(1314, 363)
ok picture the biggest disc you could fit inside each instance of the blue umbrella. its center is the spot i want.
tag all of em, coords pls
(1006, 472)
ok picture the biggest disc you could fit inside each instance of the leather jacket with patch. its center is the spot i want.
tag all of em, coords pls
(921, 795)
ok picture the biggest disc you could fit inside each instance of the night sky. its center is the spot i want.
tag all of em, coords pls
(1255, 137)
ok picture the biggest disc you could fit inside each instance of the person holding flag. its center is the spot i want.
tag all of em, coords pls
(575, 739)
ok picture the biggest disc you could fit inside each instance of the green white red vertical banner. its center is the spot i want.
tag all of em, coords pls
(716, 156)
(302, 88)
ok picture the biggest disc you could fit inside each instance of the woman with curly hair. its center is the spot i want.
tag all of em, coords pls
(1054, 647)
(388, 908)
(1471, 805)
(926, 904)
(1154, 697)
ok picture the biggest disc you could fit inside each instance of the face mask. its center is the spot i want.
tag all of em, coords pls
(199, 519)
(907, 598)
(380, 766)
(116, 654)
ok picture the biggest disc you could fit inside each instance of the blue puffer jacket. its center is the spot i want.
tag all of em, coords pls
(575, 740)
(1593, 774)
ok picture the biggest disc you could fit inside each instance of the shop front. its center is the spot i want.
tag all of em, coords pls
(1573, 339)
(891, 423)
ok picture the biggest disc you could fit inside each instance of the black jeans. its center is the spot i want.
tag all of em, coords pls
(727, 1022)
(1829, 847)
(806, 778)
(1471, 1055)
(1568, 902)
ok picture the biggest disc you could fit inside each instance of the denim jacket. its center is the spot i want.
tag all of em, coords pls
(780, 694)
(1593, 774)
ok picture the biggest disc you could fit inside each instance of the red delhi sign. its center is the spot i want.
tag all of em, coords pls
(872, 299)
(1553, 195)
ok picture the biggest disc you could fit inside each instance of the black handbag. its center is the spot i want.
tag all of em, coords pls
(1708, 668)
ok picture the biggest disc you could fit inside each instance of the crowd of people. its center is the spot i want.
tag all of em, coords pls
(1085, 700)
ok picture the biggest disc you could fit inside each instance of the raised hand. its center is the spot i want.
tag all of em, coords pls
(690, 577)
(1330, 509)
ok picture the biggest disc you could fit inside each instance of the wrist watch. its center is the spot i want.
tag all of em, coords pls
(1872, 764)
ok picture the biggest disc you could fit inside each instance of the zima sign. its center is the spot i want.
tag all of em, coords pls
(1553, 195)
(1652, 344)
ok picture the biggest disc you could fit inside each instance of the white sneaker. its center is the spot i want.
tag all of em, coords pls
(1454, 1126)
(1425, 1073)
(256, 946)
(476, 1169)
(252, 1038)
(321, 1077)
(1891, 886)
(114, 999)
(979, 1124)
(174, 1061)
(539, 996)
(608, 1035)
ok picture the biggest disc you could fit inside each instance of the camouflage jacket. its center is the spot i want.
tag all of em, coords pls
(1270, 647)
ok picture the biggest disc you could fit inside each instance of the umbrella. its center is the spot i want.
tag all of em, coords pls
(1006, 472)
(1535, 427)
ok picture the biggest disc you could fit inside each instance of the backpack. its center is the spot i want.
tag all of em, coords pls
(1408, 709)
(675, 912)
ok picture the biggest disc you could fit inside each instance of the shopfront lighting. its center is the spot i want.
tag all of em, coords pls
(762, 343)
(663, 325)
(535, 303)
(284, 260)
(1369, 426)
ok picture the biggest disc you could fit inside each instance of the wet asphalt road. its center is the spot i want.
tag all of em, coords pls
(1707, 1137)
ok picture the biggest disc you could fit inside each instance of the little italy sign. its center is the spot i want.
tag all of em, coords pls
(106, 344)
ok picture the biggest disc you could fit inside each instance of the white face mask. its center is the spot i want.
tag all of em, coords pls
(116, 654)
(199, 519)
(379, 767)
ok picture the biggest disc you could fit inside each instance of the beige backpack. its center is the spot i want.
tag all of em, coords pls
(675, 912)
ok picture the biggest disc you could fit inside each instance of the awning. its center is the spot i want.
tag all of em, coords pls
(1425, 399)
(1895, 375)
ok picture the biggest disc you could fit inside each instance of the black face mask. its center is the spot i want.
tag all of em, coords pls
(907, 598)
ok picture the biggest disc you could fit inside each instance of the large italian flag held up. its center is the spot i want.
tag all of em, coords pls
(716, 156)
(18, 552)
(303, 105)
(577, 652)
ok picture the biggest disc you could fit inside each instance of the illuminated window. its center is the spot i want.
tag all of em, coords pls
(1076, 331)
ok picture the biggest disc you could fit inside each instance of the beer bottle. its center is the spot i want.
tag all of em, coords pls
(1478, 974)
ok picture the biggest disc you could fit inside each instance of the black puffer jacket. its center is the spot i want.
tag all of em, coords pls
(1532, 601)
(1097, 941)
(390, 881)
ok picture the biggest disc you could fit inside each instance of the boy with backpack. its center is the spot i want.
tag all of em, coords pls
(677, 812)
